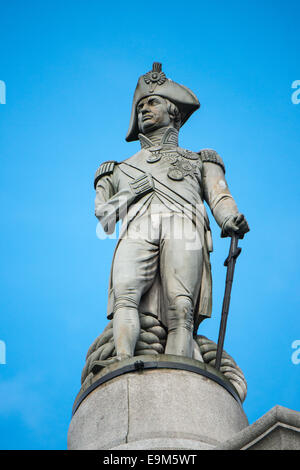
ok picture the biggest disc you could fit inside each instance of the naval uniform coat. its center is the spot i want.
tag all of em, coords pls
(175, 178)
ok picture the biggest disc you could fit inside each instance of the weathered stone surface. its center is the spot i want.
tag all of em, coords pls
(165, 443)
(102, 420)
(170, 397)
(157, 409)
(279, 429)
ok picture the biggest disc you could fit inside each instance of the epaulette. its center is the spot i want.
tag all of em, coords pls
(209, 155)
(105, 168)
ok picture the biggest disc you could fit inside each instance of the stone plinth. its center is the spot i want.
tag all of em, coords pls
(279, 429)
(156, 402)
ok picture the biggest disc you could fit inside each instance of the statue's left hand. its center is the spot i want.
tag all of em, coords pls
(235, 224)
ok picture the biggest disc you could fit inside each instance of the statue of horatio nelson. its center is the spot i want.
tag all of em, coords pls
(161, 265)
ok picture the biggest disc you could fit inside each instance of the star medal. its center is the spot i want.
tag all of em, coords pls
(170, 157)
(187, 167)
(175, 174)
(187, 154)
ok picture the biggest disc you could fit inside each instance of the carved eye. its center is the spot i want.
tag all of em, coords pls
(155, 101)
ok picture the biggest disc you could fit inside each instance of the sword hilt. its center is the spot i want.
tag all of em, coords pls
(234, 251)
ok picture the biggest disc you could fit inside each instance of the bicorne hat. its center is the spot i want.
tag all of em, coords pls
(156, 83)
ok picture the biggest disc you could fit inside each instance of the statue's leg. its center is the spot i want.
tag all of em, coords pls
(126, 328)
(180, 327)
(181, 271)
(134, 269)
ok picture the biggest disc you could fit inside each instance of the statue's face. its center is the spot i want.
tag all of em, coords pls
(152, 114)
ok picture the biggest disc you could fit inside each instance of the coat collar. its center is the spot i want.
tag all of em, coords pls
(163, 137)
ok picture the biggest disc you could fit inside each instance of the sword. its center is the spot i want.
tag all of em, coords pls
(234, 252)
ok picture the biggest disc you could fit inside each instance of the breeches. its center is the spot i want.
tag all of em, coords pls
(164, 244)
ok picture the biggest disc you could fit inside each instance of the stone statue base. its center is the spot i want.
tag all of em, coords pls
(156, 402)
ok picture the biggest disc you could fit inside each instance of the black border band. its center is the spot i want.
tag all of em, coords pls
(140, 365)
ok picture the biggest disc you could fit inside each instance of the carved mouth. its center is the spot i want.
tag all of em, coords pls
(147, 117)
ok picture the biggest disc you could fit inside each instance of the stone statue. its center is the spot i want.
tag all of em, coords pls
(161, 265)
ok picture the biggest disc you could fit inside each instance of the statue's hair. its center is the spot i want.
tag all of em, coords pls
(174, 112)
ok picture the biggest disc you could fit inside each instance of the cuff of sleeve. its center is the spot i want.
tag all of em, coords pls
(223, 233)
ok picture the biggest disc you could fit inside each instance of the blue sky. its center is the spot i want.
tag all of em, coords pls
(70, 69)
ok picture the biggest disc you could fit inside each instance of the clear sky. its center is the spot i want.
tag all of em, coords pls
(70, 69)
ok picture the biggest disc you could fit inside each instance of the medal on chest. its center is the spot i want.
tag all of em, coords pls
(182, 162)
